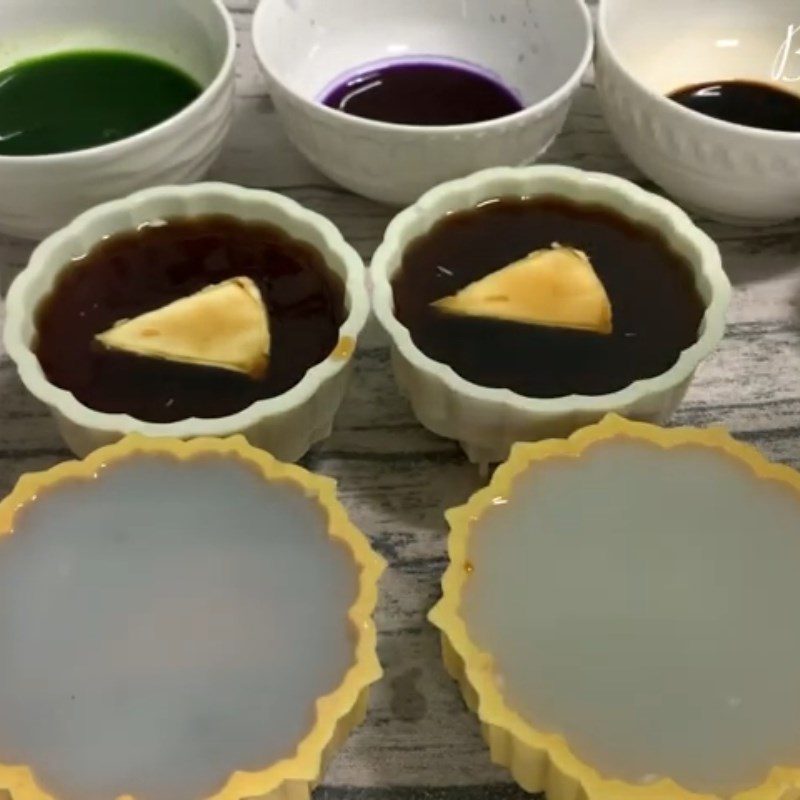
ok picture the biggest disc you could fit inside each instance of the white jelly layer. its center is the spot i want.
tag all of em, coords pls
(162, 626)
(644, 603)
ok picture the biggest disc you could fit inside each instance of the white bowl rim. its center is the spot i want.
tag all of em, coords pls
(34, 379)
(112, 148)
(604, 40)
(396, 240)
(538, 109)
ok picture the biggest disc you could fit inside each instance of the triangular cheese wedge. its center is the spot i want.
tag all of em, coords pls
(225, 326)
(557, 288)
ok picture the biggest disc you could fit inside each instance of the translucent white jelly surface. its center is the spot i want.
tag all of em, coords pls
(646, 605)
(163, 626)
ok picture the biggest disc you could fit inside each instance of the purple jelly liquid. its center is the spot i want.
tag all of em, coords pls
(422, 92)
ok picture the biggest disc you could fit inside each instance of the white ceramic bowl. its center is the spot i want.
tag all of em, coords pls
(42, 193)
(539, 48)
(286, 425)
(487, 421)
(648, 48)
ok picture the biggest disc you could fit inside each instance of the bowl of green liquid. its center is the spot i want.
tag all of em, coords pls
(100, 98)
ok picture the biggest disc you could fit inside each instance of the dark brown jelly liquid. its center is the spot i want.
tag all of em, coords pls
(657, 310)
(139, 271)
(423, 93)
(756, 105)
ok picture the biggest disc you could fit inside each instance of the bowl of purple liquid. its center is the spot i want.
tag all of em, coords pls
(389, 99)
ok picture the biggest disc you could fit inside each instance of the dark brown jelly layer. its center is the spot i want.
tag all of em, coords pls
(139, 271)
(756, 105)
(657, 310)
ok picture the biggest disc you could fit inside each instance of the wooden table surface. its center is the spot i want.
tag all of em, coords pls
(396, 479)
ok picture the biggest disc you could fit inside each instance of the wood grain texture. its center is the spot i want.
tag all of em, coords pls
(396, 479)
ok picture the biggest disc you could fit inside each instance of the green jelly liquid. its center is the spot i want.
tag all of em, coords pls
(73, 101)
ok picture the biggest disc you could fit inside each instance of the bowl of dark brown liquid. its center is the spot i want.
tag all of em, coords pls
(705, 100)
(524, 303)
(191, 311)
(389, 99)
(746, 103)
